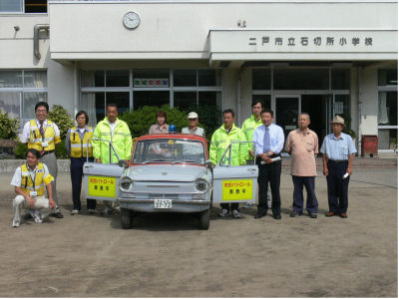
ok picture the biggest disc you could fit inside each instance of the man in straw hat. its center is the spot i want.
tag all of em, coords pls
(338, 152)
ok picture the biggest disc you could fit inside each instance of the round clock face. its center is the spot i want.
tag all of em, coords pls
(131, 20)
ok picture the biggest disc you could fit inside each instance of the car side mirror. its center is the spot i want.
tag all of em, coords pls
(209, 164)
(123, 163)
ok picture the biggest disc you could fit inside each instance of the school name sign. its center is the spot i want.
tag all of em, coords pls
(280, 43)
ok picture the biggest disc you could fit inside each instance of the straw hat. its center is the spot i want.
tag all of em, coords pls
(338, 120)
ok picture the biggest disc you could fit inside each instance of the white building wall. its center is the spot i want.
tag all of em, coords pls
(369, 101)
(180, 29)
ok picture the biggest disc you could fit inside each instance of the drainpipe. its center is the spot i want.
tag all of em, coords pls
(36, 31)
(359, 111)
(239, 95)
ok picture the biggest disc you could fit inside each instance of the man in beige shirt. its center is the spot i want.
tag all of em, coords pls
(302, 144)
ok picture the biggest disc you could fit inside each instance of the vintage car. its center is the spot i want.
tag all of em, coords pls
(170, 173)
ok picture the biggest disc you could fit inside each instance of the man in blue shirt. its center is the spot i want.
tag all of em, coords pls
(269, 142)
(338, 153)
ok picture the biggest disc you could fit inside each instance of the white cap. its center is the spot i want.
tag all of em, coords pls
(192, 115)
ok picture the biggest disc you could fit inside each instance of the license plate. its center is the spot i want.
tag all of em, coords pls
(99, 186)
(162, 203)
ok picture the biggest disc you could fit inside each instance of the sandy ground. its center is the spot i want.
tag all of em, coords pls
(166, 255)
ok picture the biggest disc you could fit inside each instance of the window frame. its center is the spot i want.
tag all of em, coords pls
(22, 90)
(23, 11)
(171, 89)
(380, 89)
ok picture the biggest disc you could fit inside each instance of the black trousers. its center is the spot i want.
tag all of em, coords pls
(76, 178)
(337, 187)
(269, 173)
(229, 206)
(311, 201)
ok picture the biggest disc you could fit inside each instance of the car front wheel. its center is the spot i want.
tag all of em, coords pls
(204, 219)
(126, 218)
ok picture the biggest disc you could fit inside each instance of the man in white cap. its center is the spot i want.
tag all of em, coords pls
(193, 125)
(338, 153)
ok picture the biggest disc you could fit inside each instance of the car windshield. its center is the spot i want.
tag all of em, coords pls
(169, 150)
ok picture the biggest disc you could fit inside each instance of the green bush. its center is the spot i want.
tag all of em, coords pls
(60, 116)
(8, 126)
(20, 150)
(140, 120)
(60, 150)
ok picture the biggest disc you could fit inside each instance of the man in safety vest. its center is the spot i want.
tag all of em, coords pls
(220, 140)
(112, 130)
(115, 132)
(42, 135)
(80, 150)
(250, 124)
(30, 181)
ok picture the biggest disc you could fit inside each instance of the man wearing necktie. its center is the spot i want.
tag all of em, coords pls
(269, 142)
(42, 135)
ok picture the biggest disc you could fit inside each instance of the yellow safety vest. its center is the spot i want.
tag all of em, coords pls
(36, 140)
(121, 140)
(38, 182)
(221, 139)
(81, 148)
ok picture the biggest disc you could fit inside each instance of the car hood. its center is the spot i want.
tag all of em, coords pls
(178, 172)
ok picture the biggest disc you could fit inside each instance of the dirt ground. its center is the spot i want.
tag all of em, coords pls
(166, 255)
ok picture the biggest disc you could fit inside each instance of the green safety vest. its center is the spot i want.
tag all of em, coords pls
(221, 139)
(248, 128)
(121, 141)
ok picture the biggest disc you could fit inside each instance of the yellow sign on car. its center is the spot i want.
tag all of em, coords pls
(237, 190)
(100, 186)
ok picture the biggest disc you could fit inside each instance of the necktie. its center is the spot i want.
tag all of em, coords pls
(266, 140)
(41, 130)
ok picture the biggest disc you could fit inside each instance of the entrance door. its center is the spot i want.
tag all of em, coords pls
(287, 111)
(318, 108)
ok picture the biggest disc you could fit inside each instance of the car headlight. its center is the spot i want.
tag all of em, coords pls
(126, 183)
(201, 185)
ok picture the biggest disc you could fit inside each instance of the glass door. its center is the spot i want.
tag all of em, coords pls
(287, 111)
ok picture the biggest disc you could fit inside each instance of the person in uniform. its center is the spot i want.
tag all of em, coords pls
(193, 127)
(302, 144)
(30, 181)
(338, 153)
(269, 142)
(80, 150)
(42, 135)
(220, 140)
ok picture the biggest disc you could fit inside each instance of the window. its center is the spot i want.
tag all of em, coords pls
(261, 79)
(11, 5)
(387, 109)
(185, 78)
(185, 100)
(310, 79)
(20, 91)
(23, 6)
(117, 78)
(342, 107)
(133, 89)
(388, 77)
(150, 98)
(340, 78)
(264, 99)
